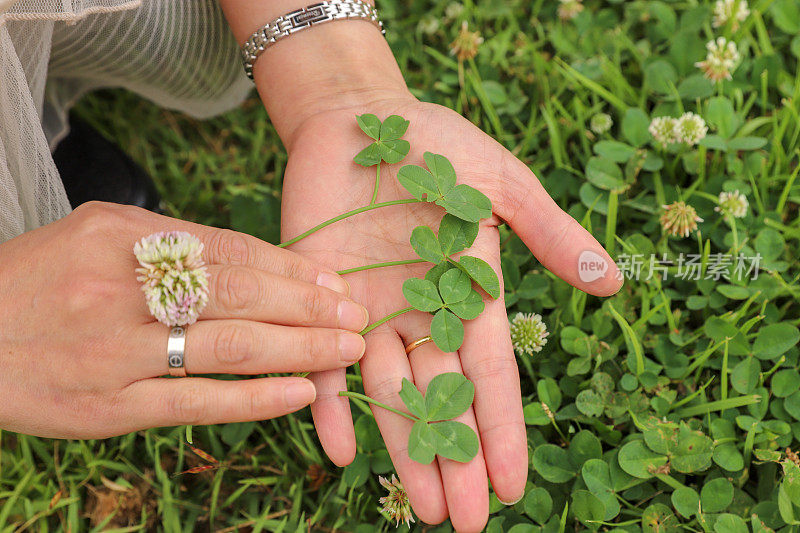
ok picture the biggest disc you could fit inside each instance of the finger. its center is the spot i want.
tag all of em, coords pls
(244, 292)
(332, 416)
(159, 402)
(220, 246)
(245, 347)
(487, 357)
(557, 240)
(465, 484)
(383, 370)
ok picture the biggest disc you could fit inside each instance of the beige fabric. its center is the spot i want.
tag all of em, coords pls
(178, 53)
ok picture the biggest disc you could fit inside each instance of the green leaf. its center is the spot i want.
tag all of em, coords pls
(744, 377)
(454, 286)
(597, 476)
(393, 128)
(426, 245)
(538, 504)
(589, 403)
(369, 124)
(371, 155)
(455, 441)
(552, 463)
(730, 523)
(635, 126)
(614, 150)
(357, 473)
(583, 446)
(693, 451)
(442, 171)
(658, 518)
(435, 272)
(588, 508)
(636, 460)
(720, 114)
(604, 173)
(466, 203)
(686, 501)
(448, 395)
(469, 308)
(660, 76)
(716, 495)
(447, 331)
(456, 235)
(413, 399)
(729, 457)
(480, 271)
(785, 382)
(393, 151)
(775, 339)
(419, 182)
(421, 443)
(422, 295)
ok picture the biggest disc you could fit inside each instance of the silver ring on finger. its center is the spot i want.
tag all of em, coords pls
(176, 346)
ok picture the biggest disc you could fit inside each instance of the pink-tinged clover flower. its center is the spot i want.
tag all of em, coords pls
(569, 9)
(174, 278)
(732, 204)
(721, 60)
(396, 504)
(528, 333)
(679, 219)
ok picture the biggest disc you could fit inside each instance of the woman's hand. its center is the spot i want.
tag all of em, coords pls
(80, 354)
(322, 181)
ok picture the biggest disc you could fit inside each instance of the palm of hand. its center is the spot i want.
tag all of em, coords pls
(322, 181)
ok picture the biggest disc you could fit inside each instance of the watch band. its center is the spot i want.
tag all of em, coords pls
(302, 19)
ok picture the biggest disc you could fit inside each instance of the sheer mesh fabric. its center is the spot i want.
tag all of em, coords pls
(179, 54)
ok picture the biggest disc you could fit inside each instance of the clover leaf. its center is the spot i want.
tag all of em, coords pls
(388, 145)
(422, 295)
(456, 234)
(434, 433)
(437, 184)
(447, 331)
(426, 245)
(483, 274)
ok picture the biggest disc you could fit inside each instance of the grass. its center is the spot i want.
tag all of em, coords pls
(668, 361)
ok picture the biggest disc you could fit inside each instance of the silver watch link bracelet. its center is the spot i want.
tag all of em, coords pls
(302, 19)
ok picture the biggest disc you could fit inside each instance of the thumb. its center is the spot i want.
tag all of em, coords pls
(557, 240)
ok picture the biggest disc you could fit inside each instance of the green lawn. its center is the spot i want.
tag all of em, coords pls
(674, 402)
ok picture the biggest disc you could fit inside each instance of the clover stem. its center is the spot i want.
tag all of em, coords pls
(558, 429)
(380, 265)
(384, 320)
(346, 215)
(377, 182)
(367, 399)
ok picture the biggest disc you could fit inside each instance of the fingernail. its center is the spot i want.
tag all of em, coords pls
(333, 282)
(351, 347)
(512, 503)
(299, 394)
(352, 316)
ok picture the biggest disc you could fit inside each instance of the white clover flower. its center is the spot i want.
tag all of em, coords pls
(569, 9)
(663, 130)
(396, 504)
(528, 333)
(732, 204)
(679, 219)
(601, 123)
(721, 60)
(690, 128)
(428, 25)
(174, 278)
(725, 10)
(453, 10)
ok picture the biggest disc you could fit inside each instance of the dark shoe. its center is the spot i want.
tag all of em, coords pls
(94, 168)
